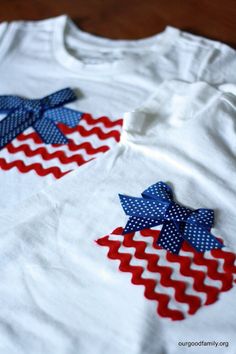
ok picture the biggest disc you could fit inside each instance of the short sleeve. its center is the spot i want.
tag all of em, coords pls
(220, 67)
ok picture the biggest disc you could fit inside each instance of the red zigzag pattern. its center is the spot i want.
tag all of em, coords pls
(60, 155)
(198, 277)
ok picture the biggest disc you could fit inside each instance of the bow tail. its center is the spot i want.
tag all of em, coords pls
(49, 132)
(170, 237)
(136, 223)
(64, 115)
(13, 125)
(15, 122)
(200, 238)
(9, 103)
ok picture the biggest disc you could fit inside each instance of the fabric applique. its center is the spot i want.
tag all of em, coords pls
(180, 283)
(42, 114)
(31, 151)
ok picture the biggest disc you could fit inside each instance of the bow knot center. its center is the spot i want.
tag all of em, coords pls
(177, 213)
(34, 106)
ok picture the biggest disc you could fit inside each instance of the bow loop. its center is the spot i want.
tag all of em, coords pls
(202, 217)
(156, 207)
(41, 114)
(160, 191)
(59, 98)
(140, 207)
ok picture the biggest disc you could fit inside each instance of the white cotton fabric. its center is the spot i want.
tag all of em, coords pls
(60, 293)
(112, 76)
(109, 76)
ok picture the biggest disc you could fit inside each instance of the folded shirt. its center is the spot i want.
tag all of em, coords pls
(62, 293)
(110, 77)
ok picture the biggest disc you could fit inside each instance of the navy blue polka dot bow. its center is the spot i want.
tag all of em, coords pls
(156, 207)
(41, 114)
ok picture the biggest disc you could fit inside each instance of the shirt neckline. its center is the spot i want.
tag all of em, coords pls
(160, 41)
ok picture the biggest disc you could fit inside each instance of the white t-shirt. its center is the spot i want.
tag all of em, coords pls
(110, 77)
(59, 291)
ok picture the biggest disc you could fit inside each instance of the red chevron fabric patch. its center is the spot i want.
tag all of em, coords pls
(180, 284)
(90, 138)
